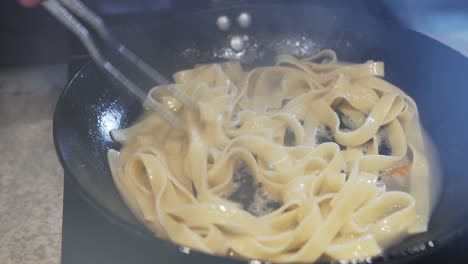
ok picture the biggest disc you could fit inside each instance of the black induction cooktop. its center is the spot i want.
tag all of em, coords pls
(88, 237)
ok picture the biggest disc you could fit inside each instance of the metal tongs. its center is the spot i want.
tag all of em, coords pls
(66, 10)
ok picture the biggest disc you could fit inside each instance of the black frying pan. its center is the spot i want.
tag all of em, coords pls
(434, 75)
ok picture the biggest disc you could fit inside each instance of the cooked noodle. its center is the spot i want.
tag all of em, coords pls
(324, 149)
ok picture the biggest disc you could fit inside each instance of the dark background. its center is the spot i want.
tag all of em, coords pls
(32, 36)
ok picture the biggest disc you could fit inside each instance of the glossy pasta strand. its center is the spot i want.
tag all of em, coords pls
(315, 138)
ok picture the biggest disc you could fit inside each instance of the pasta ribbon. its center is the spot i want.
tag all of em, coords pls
(287, 163)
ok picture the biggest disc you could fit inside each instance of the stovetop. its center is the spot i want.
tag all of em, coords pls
(88, 237)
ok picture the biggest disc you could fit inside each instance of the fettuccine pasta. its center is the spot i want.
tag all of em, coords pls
(306, 159)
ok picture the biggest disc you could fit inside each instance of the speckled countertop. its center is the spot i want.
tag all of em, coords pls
(31, 178)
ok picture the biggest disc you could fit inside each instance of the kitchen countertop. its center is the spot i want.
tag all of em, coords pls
(31, 178)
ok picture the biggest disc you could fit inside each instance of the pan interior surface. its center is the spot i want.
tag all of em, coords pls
(434, 75)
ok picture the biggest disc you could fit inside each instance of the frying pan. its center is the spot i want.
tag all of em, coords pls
(433, 74)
